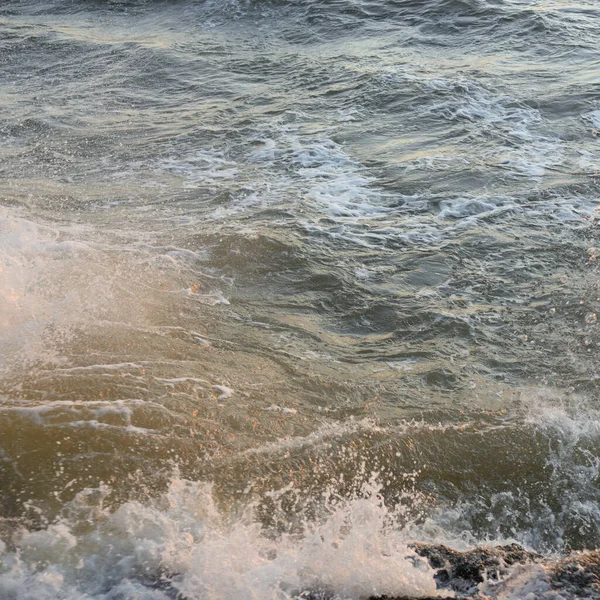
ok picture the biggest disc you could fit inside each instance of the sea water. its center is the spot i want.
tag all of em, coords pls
(288, 285)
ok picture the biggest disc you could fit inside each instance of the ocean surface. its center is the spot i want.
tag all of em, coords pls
(286, 285)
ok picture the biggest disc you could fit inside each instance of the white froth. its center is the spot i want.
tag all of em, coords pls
(324, 434)
(323, 173)
(202, 168)
(573, 418)
(478, 208)
(183, 539)
(226, 392)
(334, 194)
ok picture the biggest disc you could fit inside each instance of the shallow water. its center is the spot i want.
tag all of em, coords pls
(285, 286)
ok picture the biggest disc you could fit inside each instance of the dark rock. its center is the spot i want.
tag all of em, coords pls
(461, 572)
(578, 575)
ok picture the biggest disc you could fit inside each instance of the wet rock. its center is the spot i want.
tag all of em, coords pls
(578, 575)
(572, 578)
(462, 572)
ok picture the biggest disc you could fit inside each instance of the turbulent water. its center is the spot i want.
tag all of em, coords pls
(286, 285)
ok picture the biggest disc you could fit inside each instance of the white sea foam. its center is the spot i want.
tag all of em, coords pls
(226, 392)
(321, 171)
(331, 433)
(572, 417)
(436, 163)
(202, 168)
(183, 541)
(476, 208)
(109, 415)
(323, 435)
(334, 196)
(338, 197)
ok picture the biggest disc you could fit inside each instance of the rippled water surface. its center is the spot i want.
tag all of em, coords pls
(286, 285)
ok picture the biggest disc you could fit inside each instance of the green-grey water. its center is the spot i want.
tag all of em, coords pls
(286, 285)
